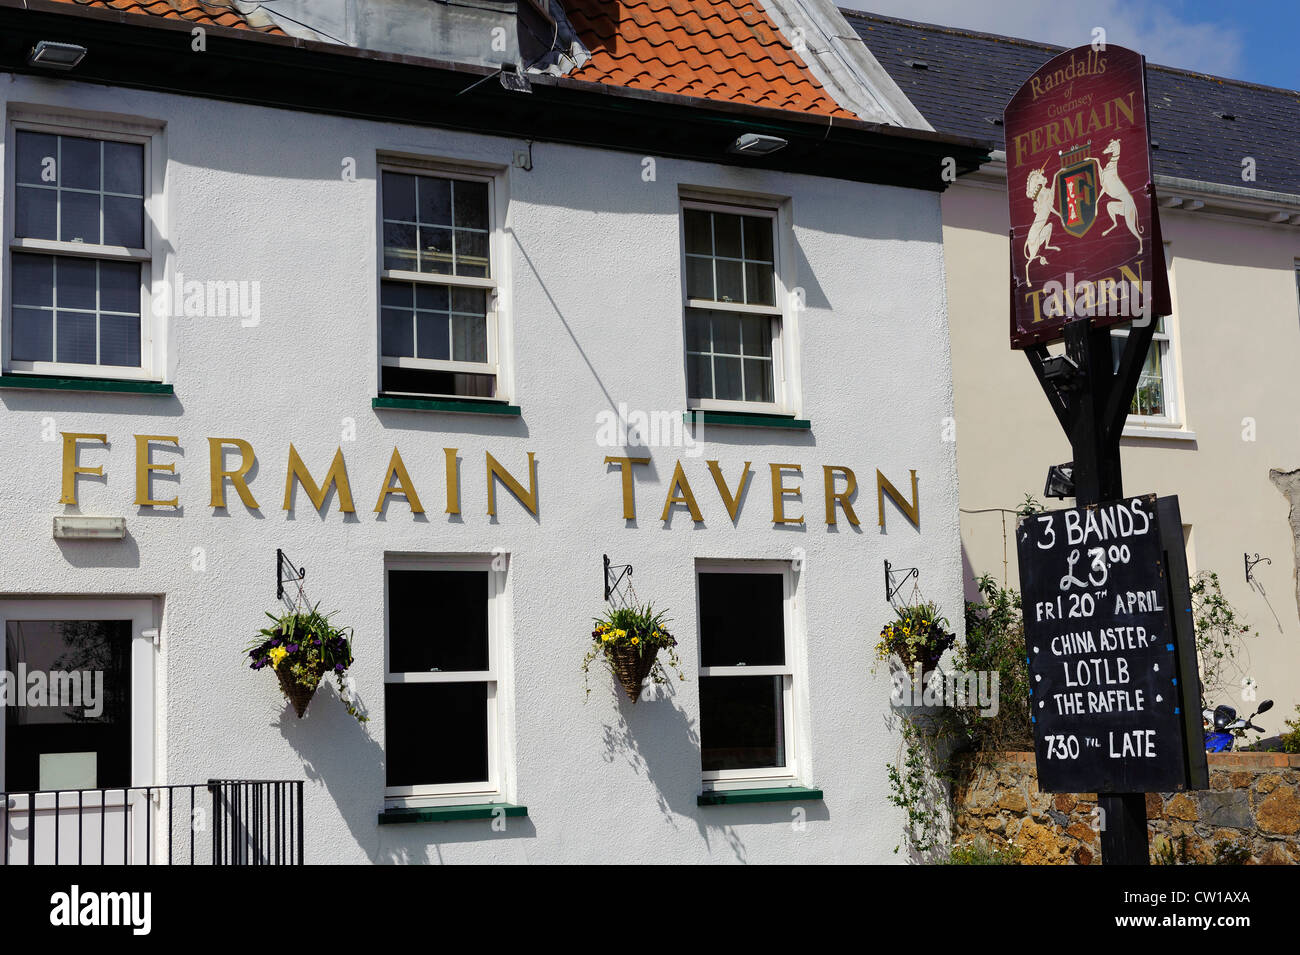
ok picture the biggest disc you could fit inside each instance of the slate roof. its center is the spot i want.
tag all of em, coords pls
(970, 76)
(215, 13)
(727, 50)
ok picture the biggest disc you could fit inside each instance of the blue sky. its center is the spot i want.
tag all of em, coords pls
(1251, 40)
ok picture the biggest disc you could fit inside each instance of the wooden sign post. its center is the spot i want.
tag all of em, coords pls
(1086, 254)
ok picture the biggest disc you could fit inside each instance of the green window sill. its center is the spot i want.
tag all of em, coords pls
(726, 797)
(397, 817)
(120, 386)
(747, 419)
(387, 403)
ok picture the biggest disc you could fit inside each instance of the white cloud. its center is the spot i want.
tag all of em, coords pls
(1160, 32)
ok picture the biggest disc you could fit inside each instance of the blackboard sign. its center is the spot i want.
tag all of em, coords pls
(1101, 642)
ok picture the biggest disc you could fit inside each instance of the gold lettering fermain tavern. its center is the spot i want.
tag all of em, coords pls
(397, 482)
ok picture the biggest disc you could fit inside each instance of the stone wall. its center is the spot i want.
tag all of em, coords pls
(1254, 799)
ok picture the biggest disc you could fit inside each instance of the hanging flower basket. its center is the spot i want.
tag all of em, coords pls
(301, 647)
(628, 640)
(919, 635)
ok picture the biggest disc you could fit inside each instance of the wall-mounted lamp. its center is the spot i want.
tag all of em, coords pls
(757, 144)
(56, 56)
(75, 527)
(513, 80)
(1060, 480)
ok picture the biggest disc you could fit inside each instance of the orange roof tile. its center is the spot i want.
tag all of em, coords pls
(210, 13)
(729, 51)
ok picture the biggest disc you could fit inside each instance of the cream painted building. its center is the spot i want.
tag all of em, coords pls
(1218, 395)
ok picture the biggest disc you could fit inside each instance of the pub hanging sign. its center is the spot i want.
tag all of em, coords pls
(1085, 234)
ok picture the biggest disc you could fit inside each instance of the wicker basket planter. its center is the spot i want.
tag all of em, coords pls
(299, 694)
(628, 641)
(301, 647)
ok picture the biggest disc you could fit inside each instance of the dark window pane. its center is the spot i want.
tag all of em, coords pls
(33, 334)
(33, 278)
(435, 201)
(472, 205)
(431, 337)
(726, 333)
(399, 196)
(742, 619)
(437, 621)
(471, 253)
(435, 298)
(124, 222)
(76, 337)
(435, 250)
(75, 646)
(730, 281)
(699, 277)
(469, 301)
(79, 217)
(397, 333)
(33, 151)
(758, 238)
(697, 331)
(119, 340)
(756, 336)
(699, 376)
(119, 287)
(726, 379)
(726, 235)
(760, 284)
(35, 214)
(435, 733)
(698, 231)
(395, 294)
(76, 283)
(399, 247)
(468, 338)
(758, 379)
(124, 168)
(420, 381)
(80, 162)
(742, 722)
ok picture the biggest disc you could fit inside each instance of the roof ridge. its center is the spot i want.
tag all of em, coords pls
(1038, 44)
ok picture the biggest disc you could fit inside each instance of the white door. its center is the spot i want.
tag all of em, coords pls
(76, 729)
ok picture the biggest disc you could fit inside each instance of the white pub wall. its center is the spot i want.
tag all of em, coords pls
(593, 316)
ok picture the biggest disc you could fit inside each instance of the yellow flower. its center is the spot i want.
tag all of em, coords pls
(635, 641)
(277, 654)
(604, 638)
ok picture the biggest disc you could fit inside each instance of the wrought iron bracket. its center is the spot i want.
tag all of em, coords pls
(612, 582)
(296, 574)
(892, 589)
(1250, 565)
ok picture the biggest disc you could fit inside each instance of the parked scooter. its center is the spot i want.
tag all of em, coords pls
(1222, 726)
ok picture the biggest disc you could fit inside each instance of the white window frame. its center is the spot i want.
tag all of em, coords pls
(725, 779)
(142, 615)
(492, 789)
(1172, 419)
(90, 127)
(780, 326)
(492, 284)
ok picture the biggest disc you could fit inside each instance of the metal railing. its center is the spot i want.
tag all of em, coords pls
(220, 822)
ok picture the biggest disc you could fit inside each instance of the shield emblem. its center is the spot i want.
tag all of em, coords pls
(1076, 196)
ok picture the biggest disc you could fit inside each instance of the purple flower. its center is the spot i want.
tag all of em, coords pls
(292, 648)
(338, 668)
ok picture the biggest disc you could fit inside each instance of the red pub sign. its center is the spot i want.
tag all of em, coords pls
(1085, 235)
